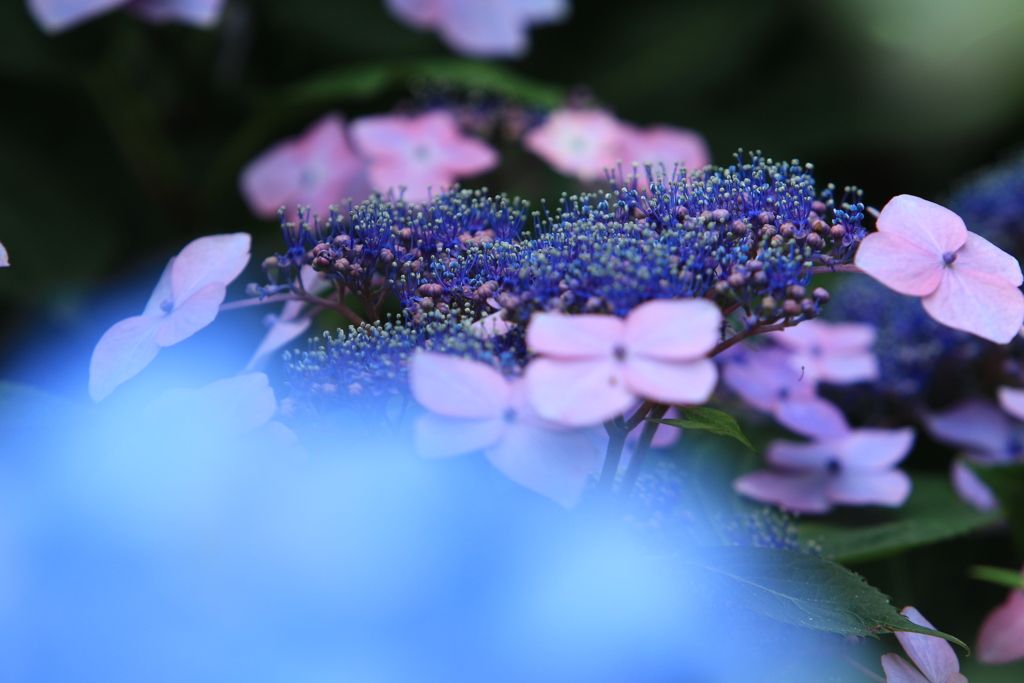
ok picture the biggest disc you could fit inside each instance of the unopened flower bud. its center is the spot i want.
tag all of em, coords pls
(838, 232)
(778, 241)
(386, 256)
(433, 289)
(819, 207)
(787, 230)
(821, 295)
(766, 218)
(736, 280)
(754, 266)
(321, 264)
(722, 287)
(790, 308)
(720, 215)
(808, 308)
(796, 291)
(768, 304)
(815, 241)
(341, 242)
(272, 268)
(819, 227)
(738, 228)
(760, 278)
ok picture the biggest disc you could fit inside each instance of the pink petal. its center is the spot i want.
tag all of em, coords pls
(556, 465)
(971, 489)
(679, 383)
(235, 405)
(796, 491)
(439, 436)
(491, 29)
(161, 301)
(214, 258)
(974, 424)
(811, 416)
(55, 16)
(493, 325)
(802, 455)
(849, 368)
(1001, 638)
(457, 387)
(577, 142)
(122, 352)
(1012, 401)
(899, 670)
(192, 315)
(867, 449)
(200, 13)
(577, 393)
(664, 145)
(575, 336)
(679, 329)
(977, 302)
(763, 379)
(899, 264)
(980, 255)
(421, 14)
(3, 257)
(888, 489)
(932, 228)
(934, 656)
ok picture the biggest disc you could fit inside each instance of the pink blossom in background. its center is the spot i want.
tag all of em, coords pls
(55, 16)
(662, 145)
(317, 168)
(834, 353)
(967, 283)
(185, 300)
(855, 468)
(577, 142)
(419, 152)
(473, 407)
(1001, 637)
(768, 381)
(481, 28)
(934, 657)
(4, 262)
(593, 367)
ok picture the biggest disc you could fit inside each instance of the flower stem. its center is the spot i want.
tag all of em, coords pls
(616, 440)
(838, 268)
(636, 462)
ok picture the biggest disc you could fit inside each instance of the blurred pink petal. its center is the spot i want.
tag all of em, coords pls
(235, 405)
(122, 352)
(55, 16)
(799, 492)
(799, 455)
(888, 489)
(186, 298)
(971, 489)
(438, 436)
(837, 353)
(3, 257)
(811, 416)
(317, 168)
(899, 670)
(677, 329)
(577, 142)
(457, 387)
(492, 325)
(934, 656)
(663, 145)
(419, 152)
(575, 336)
(1001, 637)
(577, 393)
(682, 383)
(199, 13)
(764, 379)
(923, 249)
(1012, 401)
(869, 449)
(978, 426)
(497, 28)
(556, 465)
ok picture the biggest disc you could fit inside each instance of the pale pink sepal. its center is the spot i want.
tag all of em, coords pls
(578, 393)
(438, 436)
(672, 329)
(214, 258)
(887, 489)
(457, 387)
(900, 265)
(811, 416)
(1012, 401)
(977, 302)
(927, 225)
(671, 383)
(977, 425)
(122, 352)
(970, 488)
(663, 146)
(556, 465)
(934, 656)
(235, 405)
(54, 16)
(198, 13)
(4, 262)
(836, 353)
(575, 336)
(899, 670)
(800, 492)
(1001, 637)
(192, 314)
(577, 142)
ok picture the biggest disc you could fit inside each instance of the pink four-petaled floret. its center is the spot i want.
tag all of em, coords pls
(933, 656)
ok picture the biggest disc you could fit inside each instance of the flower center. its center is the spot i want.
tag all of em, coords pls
(509, 415)
(833, 467)
(619, 352)
(948, 258)
(167, 305)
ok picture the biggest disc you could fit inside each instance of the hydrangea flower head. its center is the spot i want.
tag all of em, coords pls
(317, 169)
(490, 28)
(185, 300)
(577, 142)
(1001, 637)
(592, 367)
(55, 16)
(473, 406)
(932, 655)
(855, 468)
(967, 283)
(418, 152)
(834, 353)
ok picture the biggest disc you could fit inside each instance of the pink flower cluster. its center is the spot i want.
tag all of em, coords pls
(327, 163)
(56, 16)
(590, 369)
(585, 142)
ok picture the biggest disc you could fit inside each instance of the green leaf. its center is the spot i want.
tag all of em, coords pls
(805, 590)
(1007, 483)
(933, 513)
(1001, 577)
(711, 420)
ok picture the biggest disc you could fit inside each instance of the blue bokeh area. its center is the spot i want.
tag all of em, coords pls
(166, 546)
